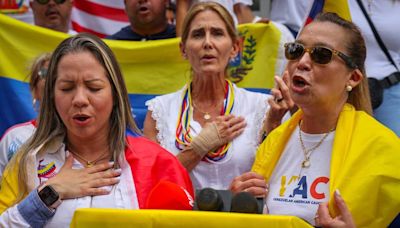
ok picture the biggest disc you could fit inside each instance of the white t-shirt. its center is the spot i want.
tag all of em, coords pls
(385, 16)
(297, 191)
(240, 156)
(12, 140)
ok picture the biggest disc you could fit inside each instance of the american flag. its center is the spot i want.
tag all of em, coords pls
(99, 17)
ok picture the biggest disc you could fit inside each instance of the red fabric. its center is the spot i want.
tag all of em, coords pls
(150, 164)
(168, 195)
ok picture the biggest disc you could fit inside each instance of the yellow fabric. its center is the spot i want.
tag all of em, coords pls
(9, 188)
(152, 67)
(169, 218)
(364, 165)
(341, 7)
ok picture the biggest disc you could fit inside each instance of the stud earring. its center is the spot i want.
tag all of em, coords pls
(349, 88)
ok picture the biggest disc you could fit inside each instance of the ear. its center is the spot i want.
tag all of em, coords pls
(235, 48)
(355, 78)
(183, 50)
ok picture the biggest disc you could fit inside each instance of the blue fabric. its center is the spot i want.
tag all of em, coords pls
(126, 33)
(34, 211)
(389, 111)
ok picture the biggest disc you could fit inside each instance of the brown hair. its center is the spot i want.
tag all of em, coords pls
(359, 97)
(215, 7)
(37, 64)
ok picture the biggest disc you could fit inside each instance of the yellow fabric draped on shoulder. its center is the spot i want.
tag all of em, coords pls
(9, 187)
(364, 165)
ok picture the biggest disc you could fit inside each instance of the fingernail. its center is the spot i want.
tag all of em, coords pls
(337, 192)
(119, 171)
(117, 178)
(111, 163)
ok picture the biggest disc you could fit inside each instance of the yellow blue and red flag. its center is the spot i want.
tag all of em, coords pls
(337, 6)
(150, 68)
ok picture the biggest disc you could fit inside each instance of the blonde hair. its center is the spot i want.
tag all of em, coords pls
(215, 7)
(50, 126)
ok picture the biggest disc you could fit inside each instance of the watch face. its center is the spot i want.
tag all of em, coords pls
(48, 195)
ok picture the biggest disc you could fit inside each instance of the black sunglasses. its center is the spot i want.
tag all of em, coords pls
(44, 2)
(318, 54)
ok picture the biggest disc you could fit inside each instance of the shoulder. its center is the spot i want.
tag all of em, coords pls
(125, 33)
(165, 99)
(251, 98)
(18, 129)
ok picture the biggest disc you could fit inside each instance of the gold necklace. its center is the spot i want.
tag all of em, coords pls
(206, 115)
(307, 152)
(90, 163)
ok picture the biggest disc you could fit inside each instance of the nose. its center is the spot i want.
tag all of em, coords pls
(80, 98)
(52, 2)
(207, 41)
(304, 63)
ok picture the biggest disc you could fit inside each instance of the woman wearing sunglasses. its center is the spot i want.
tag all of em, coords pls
(331, 152)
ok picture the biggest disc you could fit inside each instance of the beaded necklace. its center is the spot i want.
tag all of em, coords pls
(183, 137)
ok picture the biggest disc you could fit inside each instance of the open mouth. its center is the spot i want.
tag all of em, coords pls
(299, 81)
(81, 118)
(143, 9)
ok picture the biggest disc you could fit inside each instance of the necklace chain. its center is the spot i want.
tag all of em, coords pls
(90, 163)
(206, 115)
(307, 152)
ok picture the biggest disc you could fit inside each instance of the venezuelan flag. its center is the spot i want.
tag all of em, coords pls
(150, 68)
(340, 7)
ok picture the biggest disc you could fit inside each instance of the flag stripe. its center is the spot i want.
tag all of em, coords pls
(101, 10)
(99, 25)
(316, 8)
(79, 28)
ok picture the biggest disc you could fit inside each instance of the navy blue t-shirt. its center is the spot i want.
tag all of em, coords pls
(126, 33)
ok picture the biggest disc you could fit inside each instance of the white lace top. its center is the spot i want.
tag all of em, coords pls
(239, 159)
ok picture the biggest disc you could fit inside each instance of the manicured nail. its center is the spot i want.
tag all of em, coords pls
(111, 163)
(119, 171)
(337, 192)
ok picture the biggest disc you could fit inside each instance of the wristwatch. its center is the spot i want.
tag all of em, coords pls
(49, 196)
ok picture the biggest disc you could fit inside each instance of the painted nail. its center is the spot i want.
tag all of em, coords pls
(337, 192)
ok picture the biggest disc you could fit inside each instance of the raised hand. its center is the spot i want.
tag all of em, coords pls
(74, 183)
(280, 103)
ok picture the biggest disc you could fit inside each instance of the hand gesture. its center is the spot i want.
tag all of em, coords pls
(280, 103)
(217, 133)
(74, 183)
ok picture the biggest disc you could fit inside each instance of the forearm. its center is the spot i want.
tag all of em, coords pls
(189, 159)
(30, 212)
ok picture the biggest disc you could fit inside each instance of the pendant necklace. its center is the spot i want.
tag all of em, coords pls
(90, 163)
(307, 152)
(206, 115)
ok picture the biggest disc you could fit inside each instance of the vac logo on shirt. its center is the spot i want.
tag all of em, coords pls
(299, 190)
